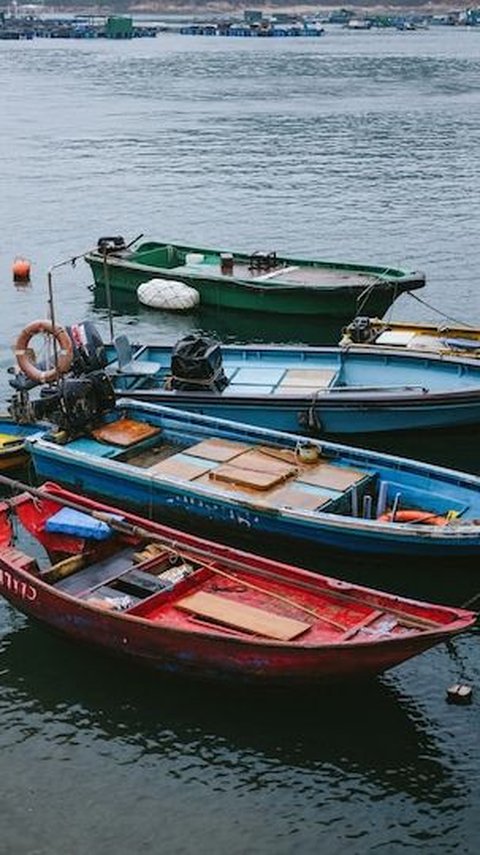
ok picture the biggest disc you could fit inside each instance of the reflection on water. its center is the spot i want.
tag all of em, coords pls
(302, 731)
(227, 325)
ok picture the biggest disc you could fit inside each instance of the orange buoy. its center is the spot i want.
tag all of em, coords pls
(21, 270)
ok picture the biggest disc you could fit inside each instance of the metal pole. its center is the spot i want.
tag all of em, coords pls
(108, 293)
(51, 306)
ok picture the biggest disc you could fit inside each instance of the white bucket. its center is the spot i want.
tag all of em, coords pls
(194, 258)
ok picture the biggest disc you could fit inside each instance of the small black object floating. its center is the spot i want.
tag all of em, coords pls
(459, 694)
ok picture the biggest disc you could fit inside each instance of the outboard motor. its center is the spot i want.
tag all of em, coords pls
(197, 365)
(360, 330)
(108, 245)
(89, 352)
(74, 405)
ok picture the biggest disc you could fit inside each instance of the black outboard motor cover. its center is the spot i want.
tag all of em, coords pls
(197, 365)
(109, 245)
(77, 402)
(89, 352)
(360, 330)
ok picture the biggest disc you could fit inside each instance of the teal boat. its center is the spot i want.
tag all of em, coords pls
(261, 282)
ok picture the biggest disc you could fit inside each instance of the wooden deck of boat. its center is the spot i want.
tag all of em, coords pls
(290, 274)
(271, 478)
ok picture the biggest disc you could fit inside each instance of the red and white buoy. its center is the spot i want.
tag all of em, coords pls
(21, 269)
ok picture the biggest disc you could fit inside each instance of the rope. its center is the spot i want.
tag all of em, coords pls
(363, 298)
(438, 311)
(193, 381)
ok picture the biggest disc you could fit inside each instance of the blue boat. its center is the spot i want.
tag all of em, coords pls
(311, 390)
(169, 463)
(314, 390)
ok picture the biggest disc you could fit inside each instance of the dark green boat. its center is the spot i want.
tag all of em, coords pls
(262, 282)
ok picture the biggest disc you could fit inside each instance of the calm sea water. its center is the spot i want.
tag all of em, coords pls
(356, 145)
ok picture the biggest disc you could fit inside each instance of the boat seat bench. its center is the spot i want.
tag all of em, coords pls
(97, 574)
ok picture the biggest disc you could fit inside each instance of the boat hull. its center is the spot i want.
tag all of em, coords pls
(180, 503)
(320, 415)
(368, 391)
(125, 274)
(213, 656)
(203, 658)
(463, 342)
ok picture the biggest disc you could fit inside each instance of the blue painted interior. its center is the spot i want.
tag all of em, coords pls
(419, 485)
(263, 369)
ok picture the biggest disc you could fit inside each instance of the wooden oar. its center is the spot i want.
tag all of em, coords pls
(124, 527)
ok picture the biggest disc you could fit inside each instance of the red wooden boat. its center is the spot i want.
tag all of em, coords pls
(177, 603)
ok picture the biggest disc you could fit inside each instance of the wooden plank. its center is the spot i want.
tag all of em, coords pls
(256, 460)
(290, 497)
(287, 455)
(246, 477)
(241, 616)
(97, 574)
(330, 476)
(319, 378)
(177, 468)
(220, 450)
(255, 470)
(124, 432)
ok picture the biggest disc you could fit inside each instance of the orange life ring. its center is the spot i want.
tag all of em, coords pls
(24, 354)
(424, 517)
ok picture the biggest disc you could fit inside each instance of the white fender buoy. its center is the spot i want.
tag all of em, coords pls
(168, 294)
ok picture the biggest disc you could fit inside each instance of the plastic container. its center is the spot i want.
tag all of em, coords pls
(194, 258)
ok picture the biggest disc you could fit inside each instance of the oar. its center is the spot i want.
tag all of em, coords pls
(20, 487)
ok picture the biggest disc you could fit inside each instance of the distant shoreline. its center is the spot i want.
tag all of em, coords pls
(224, 8)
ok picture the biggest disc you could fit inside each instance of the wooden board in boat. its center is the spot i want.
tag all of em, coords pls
(219, 450)
(241, 616)
(331, 476)
(318, 378)
(292, 497)
(175, 467)
(255, 470)
(256, 480)
(124, 432)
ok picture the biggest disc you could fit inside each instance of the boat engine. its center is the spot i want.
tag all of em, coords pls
(74, 404)
(197, 365)
(109, 245)
(360, 331)
(89, 352)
